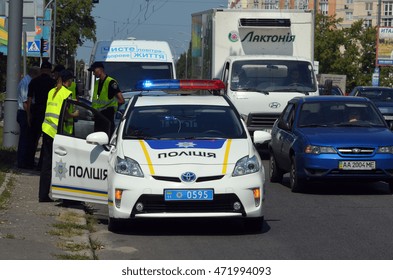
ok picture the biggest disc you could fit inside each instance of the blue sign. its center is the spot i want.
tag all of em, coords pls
(34, 47)
(375, 79)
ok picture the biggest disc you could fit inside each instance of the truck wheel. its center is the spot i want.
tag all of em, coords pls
(296, 183)
(115, 225)
(275, 172)
(253, 224)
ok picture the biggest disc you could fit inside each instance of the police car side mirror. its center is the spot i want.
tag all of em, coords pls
(97, 138)
(261, 137)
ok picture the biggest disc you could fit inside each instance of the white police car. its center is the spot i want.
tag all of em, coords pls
(173, 155)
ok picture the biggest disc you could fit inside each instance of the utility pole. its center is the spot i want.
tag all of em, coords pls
(54, 33)
(11, 128)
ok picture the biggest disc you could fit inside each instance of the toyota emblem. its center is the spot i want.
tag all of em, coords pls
(188, 177)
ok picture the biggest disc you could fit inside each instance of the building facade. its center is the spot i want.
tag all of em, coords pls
(349, 10)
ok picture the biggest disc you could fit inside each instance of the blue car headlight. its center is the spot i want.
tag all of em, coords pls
(128, 166)
(385, 150)
(316, 150)
(246, 165)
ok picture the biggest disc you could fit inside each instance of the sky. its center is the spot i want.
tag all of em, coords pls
(163, 20)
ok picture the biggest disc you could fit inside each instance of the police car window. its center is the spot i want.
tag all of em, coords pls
(87, 121)
(183, 122)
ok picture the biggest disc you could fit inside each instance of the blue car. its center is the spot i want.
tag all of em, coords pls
(318, 138)
(381, 96)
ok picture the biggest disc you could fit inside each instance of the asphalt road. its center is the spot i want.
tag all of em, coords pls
(331, 221)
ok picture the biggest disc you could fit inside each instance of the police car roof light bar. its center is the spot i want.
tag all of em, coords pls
(165, 84)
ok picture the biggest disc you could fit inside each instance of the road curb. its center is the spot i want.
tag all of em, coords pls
(32, 223)
(5, 182)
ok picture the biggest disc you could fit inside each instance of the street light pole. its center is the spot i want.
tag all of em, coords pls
(11, 128)
(54, 33)
(52, 60)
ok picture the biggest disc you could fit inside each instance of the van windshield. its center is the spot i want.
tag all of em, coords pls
(128, 73)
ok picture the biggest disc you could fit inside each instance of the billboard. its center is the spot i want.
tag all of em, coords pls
(385, 46)
(36, 28)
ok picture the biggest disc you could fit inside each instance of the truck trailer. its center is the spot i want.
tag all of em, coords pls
(257, 54)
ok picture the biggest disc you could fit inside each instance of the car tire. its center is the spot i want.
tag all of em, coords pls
(115, 225)
(296, 184)
(391, 186)
(253, 224)
(275, 173)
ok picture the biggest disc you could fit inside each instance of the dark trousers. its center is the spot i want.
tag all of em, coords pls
(46, 169)
(109, 113)
(36, 131)
(23, 144)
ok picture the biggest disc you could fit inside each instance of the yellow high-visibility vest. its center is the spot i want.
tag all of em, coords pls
(53, 108)
(69, 122)
(72, 88)
(102, 102)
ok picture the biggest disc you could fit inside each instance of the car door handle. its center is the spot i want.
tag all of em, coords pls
(60, 152)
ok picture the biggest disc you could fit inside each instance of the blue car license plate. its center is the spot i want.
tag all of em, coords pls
(357, 165)
(202, 194)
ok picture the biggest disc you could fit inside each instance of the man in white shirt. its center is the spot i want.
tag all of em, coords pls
(21, 117)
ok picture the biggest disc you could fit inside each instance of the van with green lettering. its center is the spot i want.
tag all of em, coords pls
(129, 61)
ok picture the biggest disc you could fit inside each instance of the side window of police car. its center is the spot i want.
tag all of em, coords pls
(287, 117)
(88, 121)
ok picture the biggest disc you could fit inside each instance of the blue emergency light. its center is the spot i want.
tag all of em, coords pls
(169, 84)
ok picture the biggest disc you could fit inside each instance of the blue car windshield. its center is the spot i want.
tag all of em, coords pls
(183, 122)
(384, 95)
(337, 113)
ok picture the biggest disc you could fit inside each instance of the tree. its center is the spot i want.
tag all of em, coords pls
(347, 51)
(74, 25)
(358, 59)
(181, 64)
(328, 40)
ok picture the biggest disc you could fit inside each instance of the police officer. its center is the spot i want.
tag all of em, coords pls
(107, 94)
(36, 104)
(49, 128)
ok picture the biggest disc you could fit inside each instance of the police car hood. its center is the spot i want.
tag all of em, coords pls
(162, 156)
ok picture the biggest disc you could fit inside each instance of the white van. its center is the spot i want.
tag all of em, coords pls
(129, 61)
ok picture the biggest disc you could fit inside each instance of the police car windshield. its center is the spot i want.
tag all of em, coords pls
(183, 122)
(128, 73)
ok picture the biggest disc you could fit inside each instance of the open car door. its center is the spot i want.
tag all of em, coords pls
(80, 169)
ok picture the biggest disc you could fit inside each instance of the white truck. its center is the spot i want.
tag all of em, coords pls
(255, 53)
(129, 61)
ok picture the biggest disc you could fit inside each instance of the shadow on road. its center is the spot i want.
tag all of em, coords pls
(186, 226)
(344, 188)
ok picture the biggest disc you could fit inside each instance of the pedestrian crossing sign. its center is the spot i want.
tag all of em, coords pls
(33, 46)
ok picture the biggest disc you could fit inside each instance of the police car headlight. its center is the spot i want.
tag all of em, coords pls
(246, 166)
(128, 166)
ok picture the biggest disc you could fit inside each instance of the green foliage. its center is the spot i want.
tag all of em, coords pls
(348, 51)
(74, 25)
(328, 39)
(181, 65)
